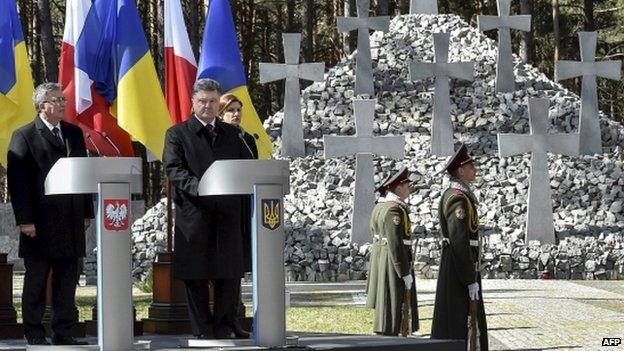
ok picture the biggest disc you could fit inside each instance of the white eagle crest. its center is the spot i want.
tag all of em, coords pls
(116, 214)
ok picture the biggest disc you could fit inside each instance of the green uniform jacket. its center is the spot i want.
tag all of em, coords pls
(459, 224)
(390, 260)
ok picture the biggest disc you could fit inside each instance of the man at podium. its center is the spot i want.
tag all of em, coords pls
(52, 227)
(208, 238)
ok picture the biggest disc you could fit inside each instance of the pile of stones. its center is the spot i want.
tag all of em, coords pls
(587, 191)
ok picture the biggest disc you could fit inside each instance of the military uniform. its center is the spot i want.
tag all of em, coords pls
(459, 264)
(390, 261)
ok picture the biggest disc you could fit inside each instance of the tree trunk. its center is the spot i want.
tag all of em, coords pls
(588, 11)
(266, 109)
(349, 39)
(35, 50)
(556, 32)
(404, 7)
(307, 30)
(291, 23)
(50, 54)
(192, 20)
(382, 8)
(526, 41)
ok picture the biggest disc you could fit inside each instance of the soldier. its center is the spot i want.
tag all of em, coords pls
(458, 295)
(390, 287)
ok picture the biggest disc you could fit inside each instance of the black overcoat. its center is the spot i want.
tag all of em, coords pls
(58, 219)
(459, 225)
(208, 238)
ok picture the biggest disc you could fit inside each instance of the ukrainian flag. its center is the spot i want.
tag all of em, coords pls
(136, 97)
(220, 60)
(16, 83)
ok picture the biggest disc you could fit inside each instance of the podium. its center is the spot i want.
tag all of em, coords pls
(113, 179)
(268, 182)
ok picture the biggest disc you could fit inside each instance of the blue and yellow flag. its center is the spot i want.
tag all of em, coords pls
(16, 83)
(220, 60)
(126, 75)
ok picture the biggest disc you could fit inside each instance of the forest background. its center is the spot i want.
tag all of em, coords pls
(554, 35)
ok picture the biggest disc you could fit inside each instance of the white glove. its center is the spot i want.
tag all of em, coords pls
(473, 291)
(408, 281)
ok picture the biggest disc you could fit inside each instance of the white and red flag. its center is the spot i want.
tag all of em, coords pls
(180, 63)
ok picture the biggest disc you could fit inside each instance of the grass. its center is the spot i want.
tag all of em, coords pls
(334, 319)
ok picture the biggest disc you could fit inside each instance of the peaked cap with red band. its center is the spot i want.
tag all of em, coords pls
(460, 158)
(392, 180)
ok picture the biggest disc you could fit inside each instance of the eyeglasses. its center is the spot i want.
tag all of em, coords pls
(57, 101)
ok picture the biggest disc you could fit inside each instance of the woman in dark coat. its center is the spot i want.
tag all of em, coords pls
(231, 112)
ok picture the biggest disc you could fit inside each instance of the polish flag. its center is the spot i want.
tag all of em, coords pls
(85, 107)
(180, 63)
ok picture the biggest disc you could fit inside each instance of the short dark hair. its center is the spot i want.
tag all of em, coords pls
(206, 84)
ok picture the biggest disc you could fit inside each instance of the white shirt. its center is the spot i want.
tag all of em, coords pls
(50, 126)
(213, 123)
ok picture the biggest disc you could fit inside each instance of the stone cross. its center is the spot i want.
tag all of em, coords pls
(364, 146)
(363, 23)
(589, 69)
(293, 144)
(442, 70)
(505, 80)
(428, 7)
(539, 142)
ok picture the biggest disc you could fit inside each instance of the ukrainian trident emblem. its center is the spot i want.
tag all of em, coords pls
(271, 213)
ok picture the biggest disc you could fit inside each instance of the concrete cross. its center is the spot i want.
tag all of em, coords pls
(505, 80)
(293, 144)
(364, 146)
(539, 142)
(363, 23)
(428, 7)
(589, 69)
(442, 70)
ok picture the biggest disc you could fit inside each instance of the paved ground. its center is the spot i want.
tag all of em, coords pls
(522, 314)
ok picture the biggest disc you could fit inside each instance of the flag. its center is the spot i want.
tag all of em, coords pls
(220, 60)
(139, 105)
(16, 83)
(111, 49)
(180, 64)
(79, 70)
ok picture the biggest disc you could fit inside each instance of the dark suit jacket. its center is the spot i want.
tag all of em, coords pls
(208, 239)
(58, 219)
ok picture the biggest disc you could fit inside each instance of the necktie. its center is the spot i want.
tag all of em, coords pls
(212, 133)
(57, 134)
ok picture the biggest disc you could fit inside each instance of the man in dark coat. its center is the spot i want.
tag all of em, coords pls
(390, 287)
(52, 227)
(459, 279)
(208, 239)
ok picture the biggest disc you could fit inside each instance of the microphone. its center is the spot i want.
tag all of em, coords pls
(240, 135)
(105, 135)
(88, 135)
(67, 150)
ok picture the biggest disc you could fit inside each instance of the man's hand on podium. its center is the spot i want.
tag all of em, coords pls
(87, 223)
(28, 230)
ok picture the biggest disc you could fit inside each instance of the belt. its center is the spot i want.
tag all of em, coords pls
(384, 241)
(446, 241)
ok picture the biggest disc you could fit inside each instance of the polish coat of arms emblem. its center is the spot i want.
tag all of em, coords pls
(271, 213)
(116, 213)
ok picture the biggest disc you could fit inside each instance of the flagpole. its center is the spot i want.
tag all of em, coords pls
(169, 218)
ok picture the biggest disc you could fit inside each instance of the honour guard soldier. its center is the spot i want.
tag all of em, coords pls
(390, 287)
(459, 312)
